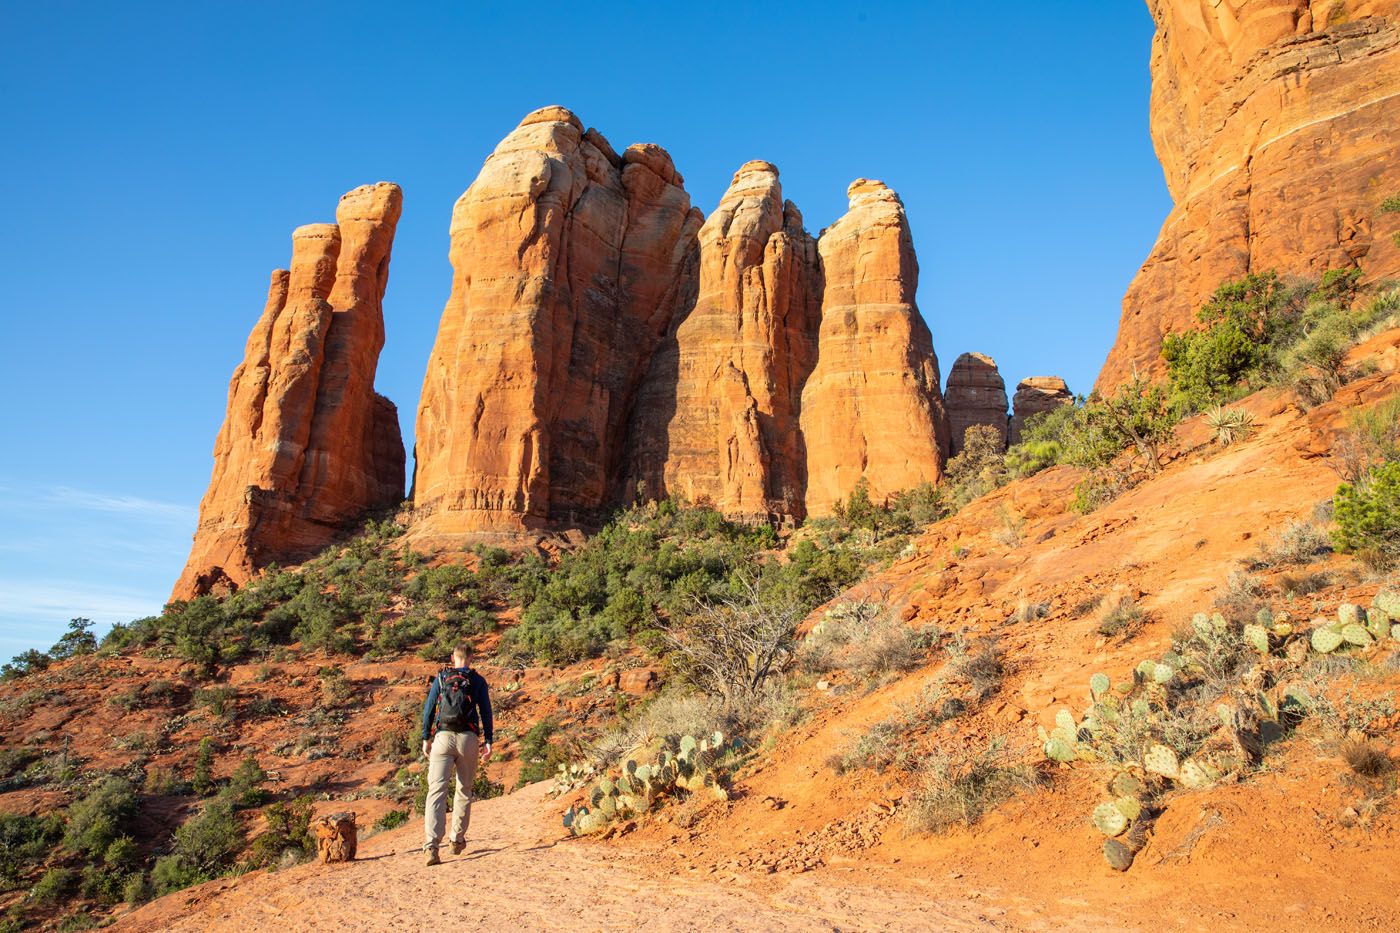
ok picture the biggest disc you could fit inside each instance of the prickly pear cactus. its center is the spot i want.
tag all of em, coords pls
(1161, 760)
(1099, 685)
(1325, 640)
(1109, 820)
(1258, 638)
(1350, 614)
(1356, 634)
(1388, 602)
(1118, 855)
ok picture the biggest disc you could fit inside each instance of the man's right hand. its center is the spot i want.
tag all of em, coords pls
(427, 747)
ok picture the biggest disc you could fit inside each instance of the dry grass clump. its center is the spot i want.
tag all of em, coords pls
(982, 667)
(1242, 598)
(1366, 758)
(961, 787)
(1303, 584)
(1123, 617)
(1299, 542)
(867, 639)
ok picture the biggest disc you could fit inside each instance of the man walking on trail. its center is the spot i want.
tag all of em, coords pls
(456, 725)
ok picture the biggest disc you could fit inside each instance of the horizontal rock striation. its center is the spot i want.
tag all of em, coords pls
(307, 447)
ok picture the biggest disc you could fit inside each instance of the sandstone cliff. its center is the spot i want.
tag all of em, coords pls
(567, 266)
(306, 445)
(1275, 122)
(871, 407)
(717, 419)
(976, 394)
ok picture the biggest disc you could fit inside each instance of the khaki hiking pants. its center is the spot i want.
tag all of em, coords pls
(451, 753)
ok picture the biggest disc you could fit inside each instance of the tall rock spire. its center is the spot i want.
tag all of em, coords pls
(307, 446)
(872, 406)
(567, 263)
(717, 420)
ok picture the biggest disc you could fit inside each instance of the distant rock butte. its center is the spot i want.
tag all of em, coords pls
(1036, 395)
(975, 395)
(307, 446)
(871, 408)
(1275, 122)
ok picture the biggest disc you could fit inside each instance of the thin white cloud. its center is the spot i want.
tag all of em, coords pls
(85, 500)
(61, 600)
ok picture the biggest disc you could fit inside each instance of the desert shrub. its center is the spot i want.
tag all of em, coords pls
(55, 885)
(981, 666)
(1042, 443)
(335, 687)
(863, 636)
(1123, 617)
(1243, 324)
(1242, 598)
(25, 842)
(539, 756)
(391, 820)
(955, 788)
(206, 846)
(1012, 530)
(979, 468)
(138, 889)
(1302, 584)
(1367, 515)
(670, 714)
(1365, 758)
(287, 836)
(98, 819)
(218, 700)
(1371, 440)
(245, 786)
(1391, 205)
(1229, 425)
(730, 649)
(202, 782)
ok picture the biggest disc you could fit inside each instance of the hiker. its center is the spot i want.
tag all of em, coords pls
(456, 725)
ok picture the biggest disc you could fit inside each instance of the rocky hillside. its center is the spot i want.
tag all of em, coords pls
(1274, 121)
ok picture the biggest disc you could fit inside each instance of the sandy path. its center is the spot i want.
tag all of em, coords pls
(518, 875)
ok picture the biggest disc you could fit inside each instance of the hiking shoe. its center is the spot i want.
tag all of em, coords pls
(459, 847)
(433, 858)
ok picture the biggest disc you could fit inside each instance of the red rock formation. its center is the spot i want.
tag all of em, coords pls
(871, 407)
(717, 419)
(1036, 395)
(1275, 124)
(568, 262)
(306, 447)
(975, 394)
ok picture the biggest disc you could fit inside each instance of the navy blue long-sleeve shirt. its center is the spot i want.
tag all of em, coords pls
(480, 696)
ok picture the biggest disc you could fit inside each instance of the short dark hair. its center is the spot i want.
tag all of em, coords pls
(463, 650)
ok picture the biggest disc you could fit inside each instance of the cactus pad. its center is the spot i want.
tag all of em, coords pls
(1350, 614)
(1118, 856)
(1355, 634)
(1258, 638)
(1109, 820)
(1099, 684)
(1325, 641)
(1160, 760)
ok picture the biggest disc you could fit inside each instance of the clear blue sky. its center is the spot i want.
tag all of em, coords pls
(157, 157)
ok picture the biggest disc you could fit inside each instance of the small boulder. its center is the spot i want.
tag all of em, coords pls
(336, 837)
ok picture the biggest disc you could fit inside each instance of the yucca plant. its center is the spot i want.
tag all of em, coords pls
(1229, 424)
